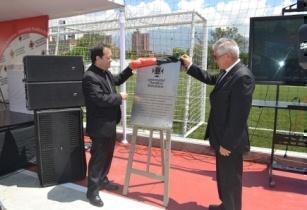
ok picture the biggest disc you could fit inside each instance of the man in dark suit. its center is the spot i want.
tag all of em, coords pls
(102, 114)
(227, 128)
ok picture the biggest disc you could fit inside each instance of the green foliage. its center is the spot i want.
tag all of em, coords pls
(81, 51)
(91, 40)
(85, 43)
(132, 55)
(177, 52)
(263, 118)
(228, 32)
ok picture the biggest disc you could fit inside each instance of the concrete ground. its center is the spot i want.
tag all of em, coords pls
(21, 191)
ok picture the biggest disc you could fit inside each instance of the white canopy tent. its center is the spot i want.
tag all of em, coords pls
(17, 9)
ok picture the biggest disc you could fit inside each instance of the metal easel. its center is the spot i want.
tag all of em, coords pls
(2, 97)
(165, 146)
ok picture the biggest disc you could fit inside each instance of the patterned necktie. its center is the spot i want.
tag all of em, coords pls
(221, 75)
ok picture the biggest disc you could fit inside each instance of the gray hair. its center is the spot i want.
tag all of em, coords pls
(226, 45)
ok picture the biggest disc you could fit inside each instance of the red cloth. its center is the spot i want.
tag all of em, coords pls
(143, 62)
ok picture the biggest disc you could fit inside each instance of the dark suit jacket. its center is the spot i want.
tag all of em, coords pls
(230, 101)
(102, 102)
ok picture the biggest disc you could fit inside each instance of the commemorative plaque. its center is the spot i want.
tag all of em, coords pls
(155, 96)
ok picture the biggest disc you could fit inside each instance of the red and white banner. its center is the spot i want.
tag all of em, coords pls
(18, 38)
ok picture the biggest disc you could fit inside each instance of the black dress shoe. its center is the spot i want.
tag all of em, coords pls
(216, 207)
(106, 184)
(110, 186)
(95, 200)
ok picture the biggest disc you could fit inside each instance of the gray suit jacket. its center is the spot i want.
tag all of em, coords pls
(230, 101)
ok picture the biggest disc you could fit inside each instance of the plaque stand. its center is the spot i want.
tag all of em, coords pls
(165, 145)
(3, 100)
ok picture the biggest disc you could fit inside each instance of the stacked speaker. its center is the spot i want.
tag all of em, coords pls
(54, 91)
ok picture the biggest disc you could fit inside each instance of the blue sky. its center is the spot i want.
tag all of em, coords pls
(213, 10)
(217, 12)
(173, 4)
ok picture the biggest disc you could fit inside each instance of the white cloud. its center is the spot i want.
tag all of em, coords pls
(225, 13)
(238, 11)
(190, 5)
(150, 8)
(229, 13)
(79, 19)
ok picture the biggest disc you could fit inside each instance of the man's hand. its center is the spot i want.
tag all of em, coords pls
(124, 95)
(224, 151)
(185, 60)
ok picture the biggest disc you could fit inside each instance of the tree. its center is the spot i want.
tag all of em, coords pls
(228, 32)
(177, 51)
(197, 55)
(85, 43)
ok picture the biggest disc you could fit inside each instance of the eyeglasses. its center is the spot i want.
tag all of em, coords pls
(215, 57)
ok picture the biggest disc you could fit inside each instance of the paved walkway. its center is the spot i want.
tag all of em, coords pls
(21, 191)
(192, 187)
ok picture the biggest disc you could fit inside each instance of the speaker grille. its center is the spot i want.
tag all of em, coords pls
(61, 147)
(17, 148)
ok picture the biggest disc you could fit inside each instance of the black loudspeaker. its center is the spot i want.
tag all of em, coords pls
(60, 146)
(53, 68)
(49, 95)
(17, 148)
(301, 4)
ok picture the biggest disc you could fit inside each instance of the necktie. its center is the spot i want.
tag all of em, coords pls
(221, 75)
(109, 83)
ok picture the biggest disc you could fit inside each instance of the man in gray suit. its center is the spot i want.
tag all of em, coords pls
(227, 128)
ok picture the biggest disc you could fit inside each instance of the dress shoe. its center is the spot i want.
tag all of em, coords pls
(216, 207)
(95, 200)
(110, 186)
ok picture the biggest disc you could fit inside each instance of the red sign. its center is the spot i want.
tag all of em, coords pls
(9, 30)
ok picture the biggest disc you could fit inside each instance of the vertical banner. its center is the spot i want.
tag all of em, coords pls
(19, 38)
(155, 96)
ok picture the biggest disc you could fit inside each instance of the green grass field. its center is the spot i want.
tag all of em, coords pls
(262, 119)
(259, 118)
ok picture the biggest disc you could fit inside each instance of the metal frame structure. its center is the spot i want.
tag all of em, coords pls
(193, 23)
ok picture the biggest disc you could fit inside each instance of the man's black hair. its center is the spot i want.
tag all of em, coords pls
(97, 51)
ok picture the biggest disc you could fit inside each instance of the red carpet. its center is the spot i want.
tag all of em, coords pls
(193, 186)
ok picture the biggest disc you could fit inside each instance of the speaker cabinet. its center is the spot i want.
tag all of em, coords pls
(60, 146)
(17, 148)
(49, 95)
(53, 68)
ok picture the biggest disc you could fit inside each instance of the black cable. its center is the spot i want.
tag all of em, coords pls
(258, 120)
(289, 133)
(295, 99)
